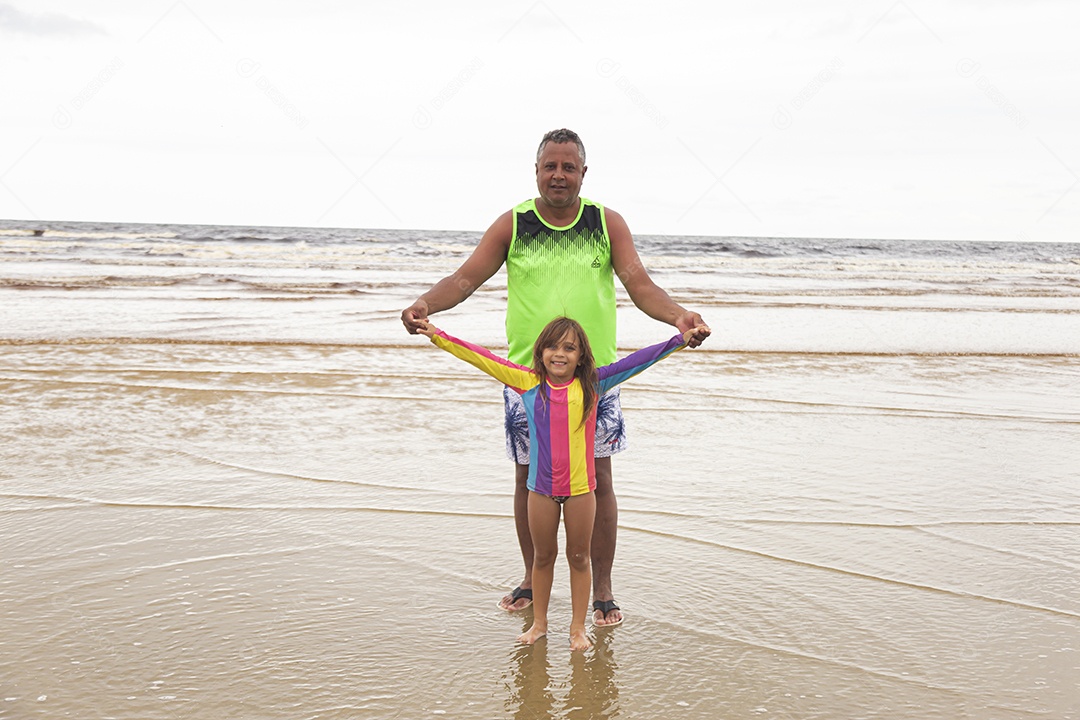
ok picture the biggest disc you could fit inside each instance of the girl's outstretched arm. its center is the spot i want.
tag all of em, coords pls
(518, 377)
(622, 370)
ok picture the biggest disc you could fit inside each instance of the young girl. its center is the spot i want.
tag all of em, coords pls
(559, 393)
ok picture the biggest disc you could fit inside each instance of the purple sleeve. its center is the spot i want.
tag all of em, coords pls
(622, 370)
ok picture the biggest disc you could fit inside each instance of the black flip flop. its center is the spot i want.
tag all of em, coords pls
(515, 595)
(606, 606)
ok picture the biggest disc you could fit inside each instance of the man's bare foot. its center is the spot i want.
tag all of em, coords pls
(606, 613)
(518, 599)
(579, 640)
(531, 635)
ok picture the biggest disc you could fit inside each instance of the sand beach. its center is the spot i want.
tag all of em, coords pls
(231, 486)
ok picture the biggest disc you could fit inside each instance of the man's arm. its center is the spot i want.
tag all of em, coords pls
(649, 297)
(485, 261)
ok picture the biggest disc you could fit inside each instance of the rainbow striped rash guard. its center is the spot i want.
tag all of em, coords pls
(561, 458)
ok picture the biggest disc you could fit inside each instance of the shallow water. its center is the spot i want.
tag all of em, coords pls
(285, 531)
(259, 498)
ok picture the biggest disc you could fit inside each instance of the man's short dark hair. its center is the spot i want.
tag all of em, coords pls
(562, 135)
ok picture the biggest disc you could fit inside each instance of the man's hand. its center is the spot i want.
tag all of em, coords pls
(689, 321)
(415, 316)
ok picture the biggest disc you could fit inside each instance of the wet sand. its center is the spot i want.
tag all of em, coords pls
(214, 530)
(232, 487)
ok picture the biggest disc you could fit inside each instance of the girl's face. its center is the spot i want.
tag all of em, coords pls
(562, 359)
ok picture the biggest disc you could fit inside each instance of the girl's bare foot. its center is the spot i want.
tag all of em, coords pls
(579, 640)
(531, 635)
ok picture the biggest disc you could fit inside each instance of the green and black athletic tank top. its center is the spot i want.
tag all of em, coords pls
(553, 271)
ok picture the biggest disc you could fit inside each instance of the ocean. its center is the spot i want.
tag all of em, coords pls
(232, 485)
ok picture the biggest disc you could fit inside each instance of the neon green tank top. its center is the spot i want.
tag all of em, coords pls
(553, 271)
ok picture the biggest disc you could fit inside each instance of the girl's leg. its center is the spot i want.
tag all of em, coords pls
(544, 529)
(580, 512)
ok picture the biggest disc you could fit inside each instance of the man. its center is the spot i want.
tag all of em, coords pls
(561, 252)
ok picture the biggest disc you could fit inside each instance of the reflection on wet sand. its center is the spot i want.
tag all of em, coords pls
(590, 692)
(594, 693)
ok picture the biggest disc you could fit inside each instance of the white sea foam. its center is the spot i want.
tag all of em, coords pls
(769, 295)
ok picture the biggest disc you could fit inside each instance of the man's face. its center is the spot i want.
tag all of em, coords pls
(559, 173)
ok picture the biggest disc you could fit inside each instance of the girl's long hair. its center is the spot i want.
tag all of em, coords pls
(586, 369)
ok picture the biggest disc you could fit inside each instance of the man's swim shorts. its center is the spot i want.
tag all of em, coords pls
(610, 426)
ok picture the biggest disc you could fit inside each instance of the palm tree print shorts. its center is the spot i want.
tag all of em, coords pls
(610, 426)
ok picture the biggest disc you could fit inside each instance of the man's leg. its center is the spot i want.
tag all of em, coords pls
(517, 449)
(605, 530)
(521, 523)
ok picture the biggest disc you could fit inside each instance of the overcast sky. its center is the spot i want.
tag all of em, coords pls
(874, 119)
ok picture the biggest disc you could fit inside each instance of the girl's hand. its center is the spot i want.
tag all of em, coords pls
(425, 328)
(698, 333)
